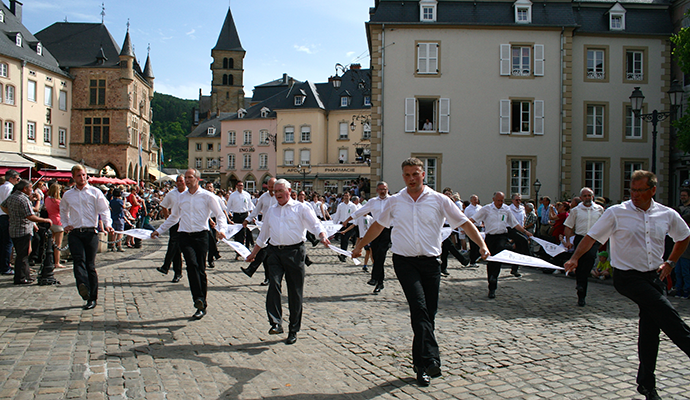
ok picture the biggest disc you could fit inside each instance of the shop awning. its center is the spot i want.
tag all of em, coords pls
(14, 161)
(59, 163)
(49, 173)
(155, 173)
(21, 170)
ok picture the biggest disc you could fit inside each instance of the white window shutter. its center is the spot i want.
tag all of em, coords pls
(422, 60)
(432, 63)
(505, 117)
(538, 60)
(505, 59)
(538, 117)
(444, 116)
(410, 120)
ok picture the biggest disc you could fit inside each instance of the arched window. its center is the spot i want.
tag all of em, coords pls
(225, 79)
(230, 80)
(225, 63)
(231, 63)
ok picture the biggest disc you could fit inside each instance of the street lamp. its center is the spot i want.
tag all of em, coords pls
(304, 171)
(675, 95)
(537, 186)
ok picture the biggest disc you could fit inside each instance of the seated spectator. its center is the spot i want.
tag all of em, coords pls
(603, 268)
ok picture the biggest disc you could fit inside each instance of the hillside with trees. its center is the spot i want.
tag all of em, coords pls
(172, 121)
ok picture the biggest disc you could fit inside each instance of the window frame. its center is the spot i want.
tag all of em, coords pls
(643, 134)
(605, 175)
(209, 147)
(246, 161)
(48, 96)
(31, 133)
(47, 134)
(10, 95)
(263, 137)
(301, 158)
(428, 10)
(62, 137)
(291, 130)
(62, 100)
(604, 137)
(263, 161)
(4, 70)
(302, 134)
(97, 92)
(285, 158)
(536, 117)
(366, 128)
(420, 60)
(198, 162)
(232, 161)
(438, 157)
(247, 138)
(526, 6)
(342, 124)
(344, 150)
(31, 94)
(605, 60)
(624, 161)
(90, 125)
(532, 170)
(441, 115)
(8, 130)
(232, 138)
(644, 64)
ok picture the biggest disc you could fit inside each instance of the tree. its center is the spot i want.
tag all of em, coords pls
(681, 53)
(172, 121)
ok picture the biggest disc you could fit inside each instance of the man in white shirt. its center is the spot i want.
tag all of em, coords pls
(283, 232)
(418, 212)
(345, 209)
(518, 210)
(469, 213)
(637, 231)
(173, 255)
(579, 222)
(80, 209)
(213, 253)
(239, 206)
(11, 178)
(497, 218)
(192, 211)
(265, 201)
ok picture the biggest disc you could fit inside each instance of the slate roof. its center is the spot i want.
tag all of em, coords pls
(78, 44)
(228, 38)
(269, 89)
(27, 52)
(254, 112)
(637, 21)
(202, 129)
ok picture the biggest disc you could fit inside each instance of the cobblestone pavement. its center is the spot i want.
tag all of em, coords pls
(531, 342)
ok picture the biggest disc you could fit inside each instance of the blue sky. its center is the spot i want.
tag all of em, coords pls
(303, 38)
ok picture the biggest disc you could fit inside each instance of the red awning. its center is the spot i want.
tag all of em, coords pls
(55, 174)
(21, 170)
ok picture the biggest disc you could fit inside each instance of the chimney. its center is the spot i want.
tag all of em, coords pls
(355, 66)
(285, 79)
(16, 9)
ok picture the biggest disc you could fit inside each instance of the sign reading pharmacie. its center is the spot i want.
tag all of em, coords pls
(342, 169)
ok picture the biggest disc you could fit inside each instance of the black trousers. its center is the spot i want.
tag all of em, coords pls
(584, 266)
(345, 238)
(656, 314)
(244, 236)
(420, 278)
(254, 265)
(173, 255)
(194, 246)
(379, 248)
(21, 262)
(212, 252)
(83, 246)
(288, 262)
(521, 242)
(447, 247)
(5, 243)
(496, 244)
(474, 251)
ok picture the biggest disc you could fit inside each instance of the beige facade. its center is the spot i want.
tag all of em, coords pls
(205, 155)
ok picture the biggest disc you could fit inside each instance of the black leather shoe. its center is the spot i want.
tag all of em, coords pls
(445, 272)
(342, 258)
(162, 270)
(292, 338)
(365, 269)
(581, 302)
(199, 304)
(176, 278)
(378, 288)
(265, 283)
(83, 291)
(90, 305)
(211, 264)
(423, 378)
(276, 330)
(24, 282)
(434, 369)
(372, 282)
(315, 243)
(246, 271)
(648, 394)
(308, 262)
(515, 273)
(199, 314)
(492, 293)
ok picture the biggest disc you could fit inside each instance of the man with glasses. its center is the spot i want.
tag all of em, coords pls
(11, 178)
(637, 230)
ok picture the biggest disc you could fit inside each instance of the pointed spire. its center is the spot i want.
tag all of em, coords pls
(127, 49)
(148, 71)
(102, 13)
(228, 38)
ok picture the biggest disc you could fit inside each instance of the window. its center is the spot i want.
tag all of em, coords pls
(48, 99)
(62, 101)
(430, 167)
(31, 131)
(344, 131)
(616, 22)
(198, 147)
(342, 156)
(263, 161)
(210, 162)
(39, 49)
(264, 112)
(427, 115)
(263, 136)
(3, 70)
(8, 133)
(344, 101)
(628, 168)
(299, 98)
(289, 134)
(289, 157)
(521, 60)
(247, 138)
(18, 40)
(306, 134)
(596, 121)
(62, 137)
(367, 101)
(520, 176)
(633, 124)
(427, 10)
(634, 66)
(2, 16)
(31, 91)
(231, 161)
(250, 185)
(47, 134)
(518, 60)
(232, 138)
(209, 146)
(427, 58)
(218, 147)
(523, 11)
(9, 94)
(197, 163)
(305, 157)
(522, 117)
(97, 91)
(241, 113)
(210, 131)
(596, 65)
(366, 132)
(617, 18)
(97, 130)
(1, 93)
(247, 161)
(594, 177)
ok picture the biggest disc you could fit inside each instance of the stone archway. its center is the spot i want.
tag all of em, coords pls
(232, 180)
(130, 173)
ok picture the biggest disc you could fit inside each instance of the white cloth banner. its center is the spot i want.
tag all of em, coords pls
(252, 227)
(238, 247)
(232, 230)
(509, 257)
(331, 228)
(346, 253)
(142, 234)
(550, 248)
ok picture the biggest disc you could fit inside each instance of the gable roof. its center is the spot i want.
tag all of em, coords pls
(202, 129)
(27, 52)
(228, 38)
(78, 44)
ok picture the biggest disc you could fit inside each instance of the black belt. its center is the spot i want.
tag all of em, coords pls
(287, 246)
(398, 255)
(84, 230)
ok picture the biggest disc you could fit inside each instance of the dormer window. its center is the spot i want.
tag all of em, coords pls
(39, 49)
(264, 112)
(367, 101)
(523, 12)
(427, 10)
(241, 113)
(345, 99)
(18, 40)
(2, 16)
(617, 18)
(300, 98)
(211, 131)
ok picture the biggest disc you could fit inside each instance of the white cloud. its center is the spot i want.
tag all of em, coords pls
(191, 32)
(305, 49)
(349, 54)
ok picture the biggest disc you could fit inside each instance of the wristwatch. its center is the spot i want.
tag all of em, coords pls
(671, 263)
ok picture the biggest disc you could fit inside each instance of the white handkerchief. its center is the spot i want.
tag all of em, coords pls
(346, 253)
(138, 233)
(509, 257)
(238, 247)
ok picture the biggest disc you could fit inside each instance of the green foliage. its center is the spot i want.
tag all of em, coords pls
(681, 53)
(172, 121)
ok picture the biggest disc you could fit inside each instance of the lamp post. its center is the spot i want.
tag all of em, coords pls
(675, 95)
(304, 171)
(537, 186)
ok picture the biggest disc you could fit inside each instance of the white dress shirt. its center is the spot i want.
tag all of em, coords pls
(5, 191)
(363, 223)
(240, 202)
(581, 218)
(496, 220)
(518, 213)
(471, 210)
(344, 211)
(81, 208)
(262, 205)
(418, 223)
(171, 198)
(374, 206)
(193, 211)
(638, 236)
(287, 225)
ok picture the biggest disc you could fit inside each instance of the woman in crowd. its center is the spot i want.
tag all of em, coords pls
(562, 209)
(52, 204)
